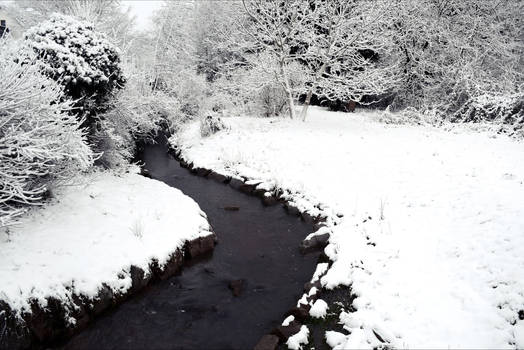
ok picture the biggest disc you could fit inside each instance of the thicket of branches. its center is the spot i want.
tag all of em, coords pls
(40, 141)
(442, 55)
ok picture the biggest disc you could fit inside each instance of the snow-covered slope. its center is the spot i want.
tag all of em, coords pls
(90, 234)
(432, 238)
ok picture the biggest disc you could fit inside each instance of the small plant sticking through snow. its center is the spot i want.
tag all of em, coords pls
(383, 203)
(211, 125)
(138, 228)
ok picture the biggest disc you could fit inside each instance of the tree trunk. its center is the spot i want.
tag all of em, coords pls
(291, 104)
(321, 71)
(289, 92)
(306, 105)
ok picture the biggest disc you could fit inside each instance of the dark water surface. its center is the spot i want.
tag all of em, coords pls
(197, 310)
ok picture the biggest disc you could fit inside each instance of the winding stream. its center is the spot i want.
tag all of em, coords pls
(197, 309)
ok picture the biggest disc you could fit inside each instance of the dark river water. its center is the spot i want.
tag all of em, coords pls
(196, 309)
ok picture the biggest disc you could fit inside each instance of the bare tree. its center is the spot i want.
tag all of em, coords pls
(344, 48)
(278, 28)
(449, 50)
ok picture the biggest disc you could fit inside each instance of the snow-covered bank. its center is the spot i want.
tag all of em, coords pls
(431, 238)
(91, 234)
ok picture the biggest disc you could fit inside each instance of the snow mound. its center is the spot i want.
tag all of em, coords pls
(296, 341)
(319, 309)
(288, 320)
(334, 339)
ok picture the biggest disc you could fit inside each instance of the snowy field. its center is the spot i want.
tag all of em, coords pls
(91, 233)
(432, 234)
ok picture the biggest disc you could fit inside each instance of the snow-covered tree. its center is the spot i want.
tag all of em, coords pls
(106, 16)
(175, 60)
(448, 51)
(277, 29)
(40, 141)
(337, 42)
(345, 51)
(81, 59)
(257, 90)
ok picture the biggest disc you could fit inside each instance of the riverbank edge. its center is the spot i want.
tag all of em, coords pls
(45, 326)
(313, 290)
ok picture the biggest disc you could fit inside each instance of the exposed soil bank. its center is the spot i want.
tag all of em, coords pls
(256, 274)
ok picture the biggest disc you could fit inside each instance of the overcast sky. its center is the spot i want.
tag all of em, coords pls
(143, 10)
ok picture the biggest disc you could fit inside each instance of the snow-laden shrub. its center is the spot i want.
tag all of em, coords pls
(506, 109)
(254, 90)
(408, 116)
(136, 112)
(244, 93)
(40, 142)
(73, 53)
(273, 101)
(505, 112)
(188, 88)
(210, 125)
(219, 101)
(191, 94)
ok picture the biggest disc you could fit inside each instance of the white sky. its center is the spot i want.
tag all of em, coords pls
(143, 10)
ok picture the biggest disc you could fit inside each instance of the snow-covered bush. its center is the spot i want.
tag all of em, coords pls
(254, 90)
(507, 112)
(448, 52)
(79, 58)
(210, 125)
(191, 93)
(189, 89)
(409, 116)
(136, 112)
(40, 141)
(273, 101)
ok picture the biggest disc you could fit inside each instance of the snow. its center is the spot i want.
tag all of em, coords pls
(90, 234)
(295, 341)
(288, 320)
(519, 335)
(335, 338)
(319, 271)
(431, 234)
(303, 300)
(73, 44)
(319, 309)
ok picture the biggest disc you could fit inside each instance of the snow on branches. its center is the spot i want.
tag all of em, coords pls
(40, 142)
(345, 51)
(335, 45)
(81, 59)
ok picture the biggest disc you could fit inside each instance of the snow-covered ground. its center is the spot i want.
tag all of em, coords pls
(90, 234)
(432, 234)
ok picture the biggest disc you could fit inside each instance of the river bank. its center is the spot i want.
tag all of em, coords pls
(97, 242)
(256, 274)
(410, 204)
